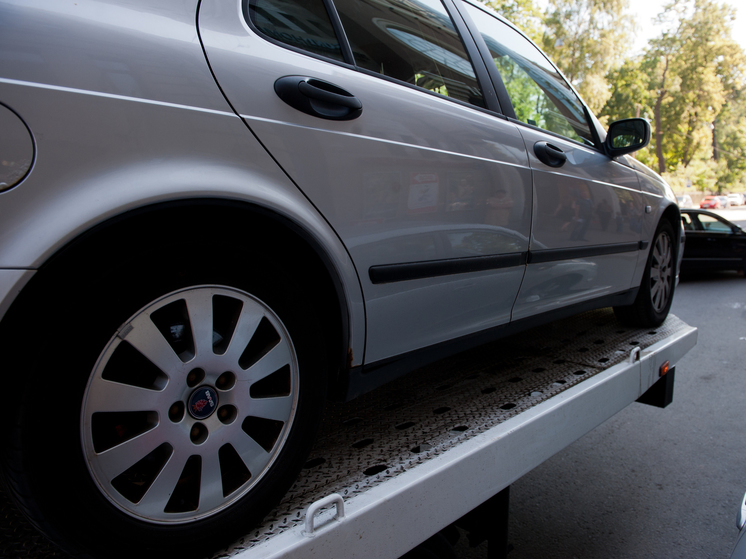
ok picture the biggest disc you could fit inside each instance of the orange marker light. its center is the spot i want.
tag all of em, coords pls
(664, 368)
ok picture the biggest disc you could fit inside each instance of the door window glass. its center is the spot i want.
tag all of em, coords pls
(539, 94)
(710, 223)
(414, 41)
(301, 23)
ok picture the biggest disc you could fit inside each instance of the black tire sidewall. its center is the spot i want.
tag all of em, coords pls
(649, 315)
(88, 310)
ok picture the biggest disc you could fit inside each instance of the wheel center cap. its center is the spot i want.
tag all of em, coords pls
(203, 402)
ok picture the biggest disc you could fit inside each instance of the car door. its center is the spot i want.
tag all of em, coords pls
(588, 208)
(397, 140)
(712, 244)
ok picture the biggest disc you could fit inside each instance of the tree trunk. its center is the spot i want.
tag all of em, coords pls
(715, 150)
(659, 122)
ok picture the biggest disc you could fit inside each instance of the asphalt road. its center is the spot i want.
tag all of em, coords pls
(653, 483)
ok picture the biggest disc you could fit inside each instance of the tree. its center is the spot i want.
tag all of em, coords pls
(693, 67)
(629, 96)
(587, 39)
(524, 14)
(729, 143)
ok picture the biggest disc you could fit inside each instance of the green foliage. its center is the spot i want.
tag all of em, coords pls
(730, 144)
(629, 95)
(587, 39)
(524, 14)
(701, 174)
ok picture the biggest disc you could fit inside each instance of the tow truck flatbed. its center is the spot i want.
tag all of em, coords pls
(395, 466)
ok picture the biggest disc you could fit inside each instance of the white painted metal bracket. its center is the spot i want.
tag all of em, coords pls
(313, 509)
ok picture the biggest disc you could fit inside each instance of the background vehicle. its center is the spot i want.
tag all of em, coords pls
(685, 201)
(230, 222)
(711, 203)
(739, 551)
(724, 202)
(735, 199)
(712, 242)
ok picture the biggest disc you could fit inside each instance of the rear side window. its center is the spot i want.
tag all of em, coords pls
(412, 41)
(539, 94)
(303, 24)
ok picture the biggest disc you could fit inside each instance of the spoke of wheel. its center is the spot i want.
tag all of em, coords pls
(278, 409)
(248, 322)
(278, 357)
(211, 484)
(116, 460)
(199, 306)
(154, 501)
(252, 454)
(660, 273)
(148, 340)
(108, 396)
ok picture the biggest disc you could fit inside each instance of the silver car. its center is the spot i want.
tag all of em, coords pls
(216, 215)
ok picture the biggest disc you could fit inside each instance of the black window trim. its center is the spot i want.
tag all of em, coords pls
(489, 93)
(484, 53)
(339, 29)
(492, 105)
(499, 85)
(298, 50)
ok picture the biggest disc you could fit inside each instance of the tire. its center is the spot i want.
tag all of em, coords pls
(172, 408)
(654, 298)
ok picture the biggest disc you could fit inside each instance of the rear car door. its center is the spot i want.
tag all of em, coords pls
(588, 208)
(394, 133)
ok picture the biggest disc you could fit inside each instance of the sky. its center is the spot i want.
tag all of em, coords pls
(646, 10)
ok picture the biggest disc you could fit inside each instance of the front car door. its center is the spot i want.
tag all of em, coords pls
(428, 186)
(588, 210)
(712, 244)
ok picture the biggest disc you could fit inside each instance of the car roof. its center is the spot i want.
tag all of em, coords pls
(697, 211)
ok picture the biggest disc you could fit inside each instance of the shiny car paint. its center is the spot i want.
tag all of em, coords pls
(427, 224)
(151, 93)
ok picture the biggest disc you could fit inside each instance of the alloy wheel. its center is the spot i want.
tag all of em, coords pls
(189, 404)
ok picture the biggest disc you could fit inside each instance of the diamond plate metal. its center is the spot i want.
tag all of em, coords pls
(398, 426)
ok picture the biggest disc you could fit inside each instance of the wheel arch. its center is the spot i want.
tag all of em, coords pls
(210, 221)
(673, 215)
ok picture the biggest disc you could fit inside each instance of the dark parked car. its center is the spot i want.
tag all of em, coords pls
(712, 242)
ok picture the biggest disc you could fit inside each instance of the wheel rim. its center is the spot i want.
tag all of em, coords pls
(189, 404)
(661, 272)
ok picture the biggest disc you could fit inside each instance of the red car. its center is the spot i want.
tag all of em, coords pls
(710, 203)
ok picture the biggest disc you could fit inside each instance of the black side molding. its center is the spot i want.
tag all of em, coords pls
(417, 270)
(552, 255)
(390, 273)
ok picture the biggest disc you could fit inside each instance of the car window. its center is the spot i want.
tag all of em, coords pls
(414, 41)
(539, 94)
(303, 24)
(710, 223)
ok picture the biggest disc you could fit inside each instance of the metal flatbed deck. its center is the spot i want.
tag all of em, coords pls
(417, 454)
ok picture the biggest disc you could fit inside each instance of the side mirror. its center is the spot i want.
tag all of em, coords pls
(626, 136)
